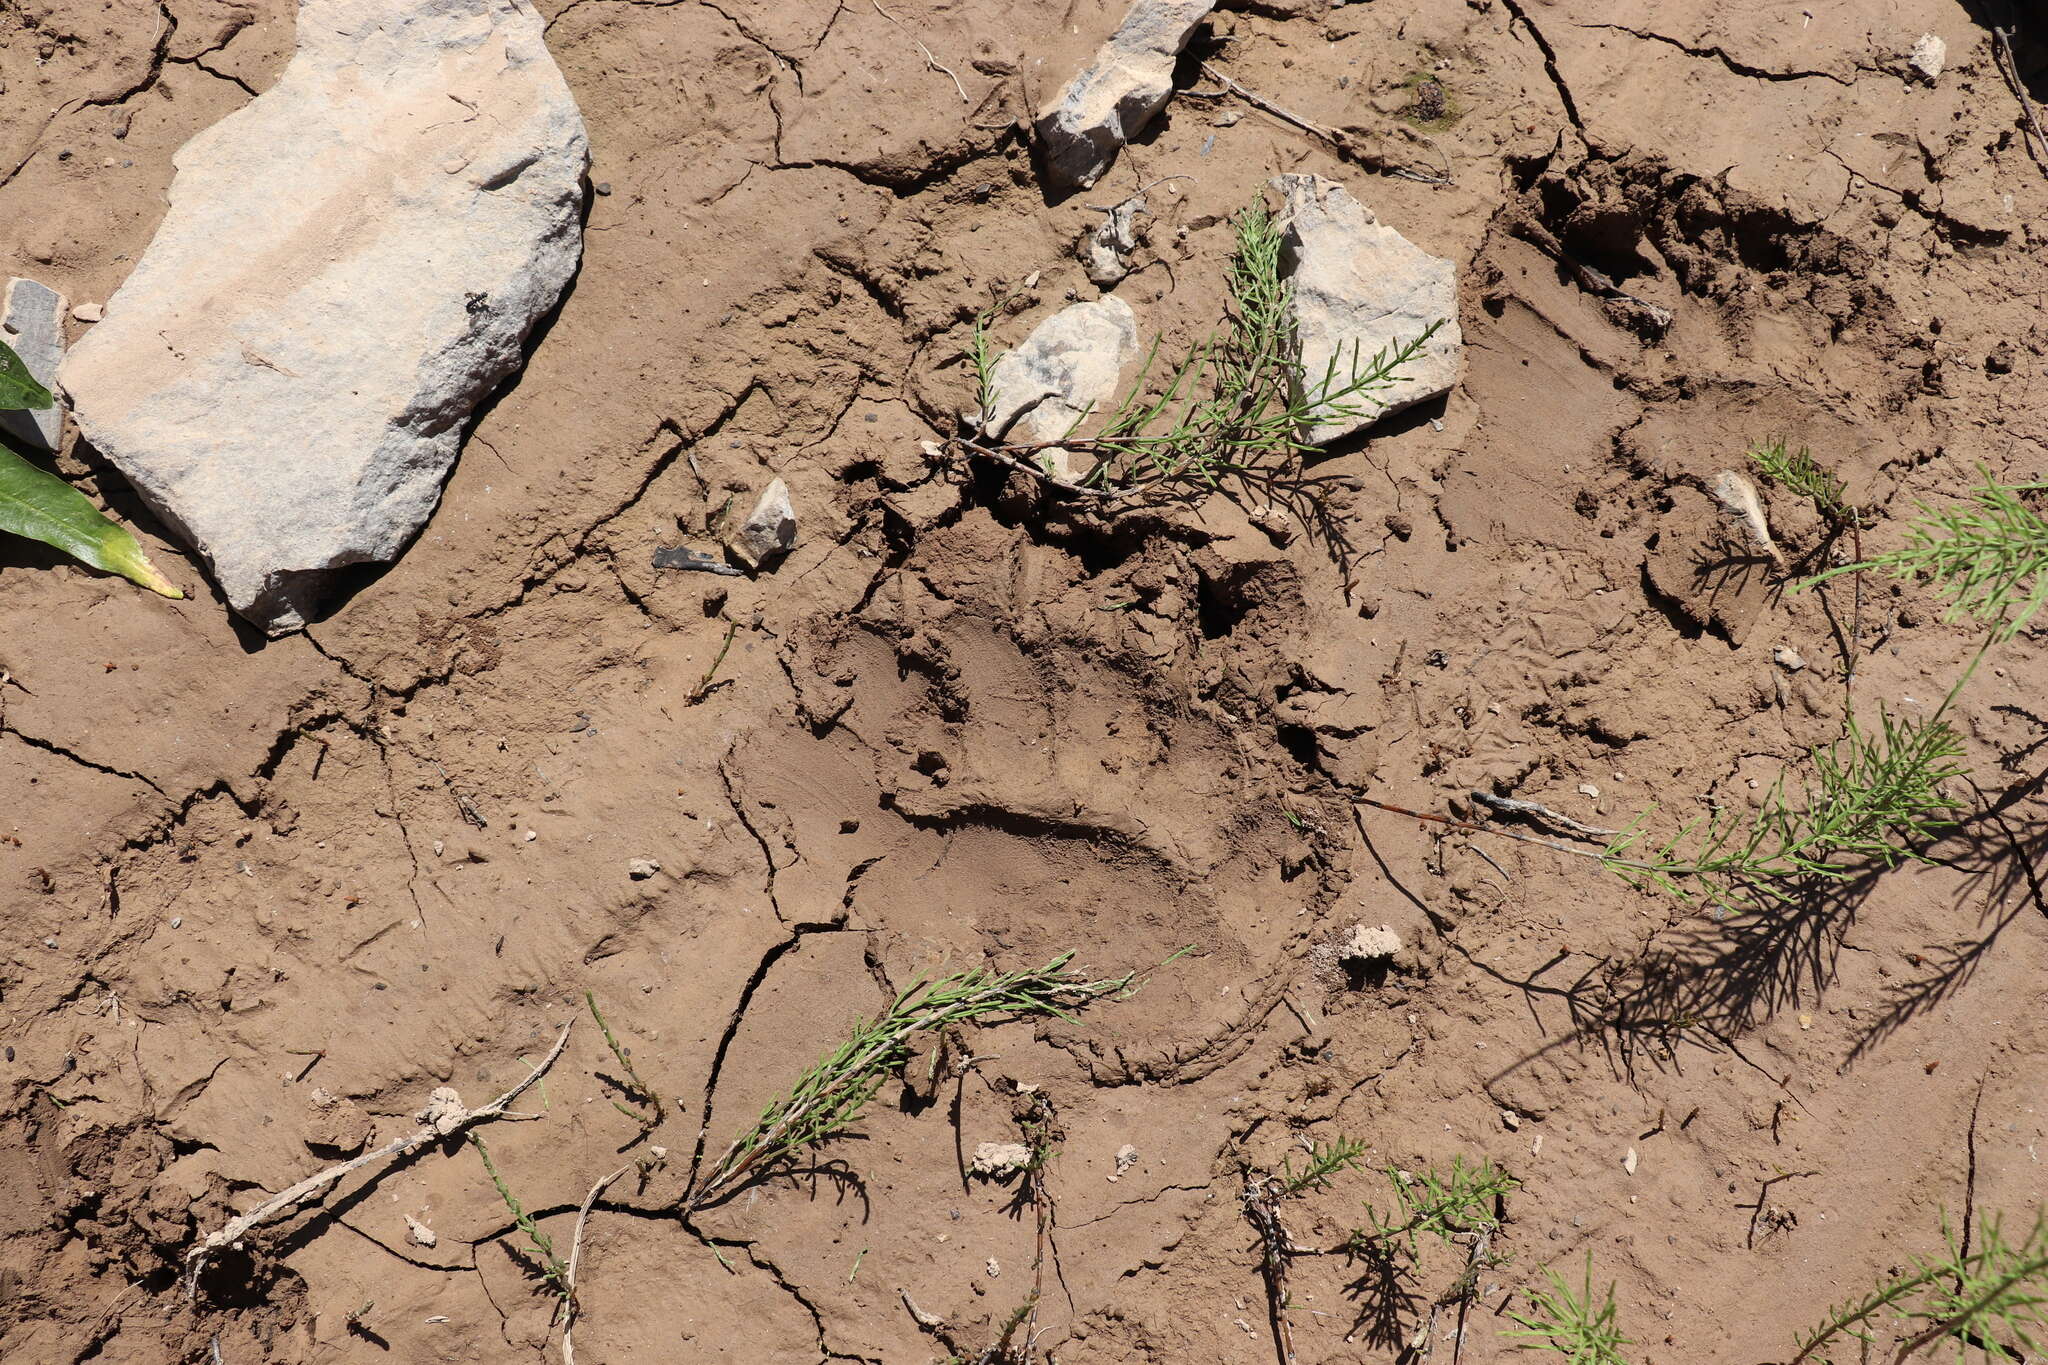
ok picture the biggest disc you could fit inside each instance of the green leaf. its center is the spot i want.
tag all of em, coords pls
(37, 504)
(18, 388)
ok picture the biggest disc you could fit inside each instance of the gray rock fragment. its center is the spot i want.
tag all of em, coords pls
(1369, 943)
(350, 263)
(1070, 364)
(999, 1160)
(1360, 288)
(1105, 249)
(32, 322)
(767, 534)
(1928, 56)
(1112, 100)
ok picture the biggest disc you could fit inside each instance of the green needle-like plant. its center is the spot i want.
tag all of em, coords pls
(1990, 556)
(1445, 1205)
(1325, 1160)
(1867, 799)
(827, 1100)
(1234, 410)
(1566, 1321)
(1990, 1299)
(37, 504)
(638, 1090)
(539, 1245)
(1797, 472)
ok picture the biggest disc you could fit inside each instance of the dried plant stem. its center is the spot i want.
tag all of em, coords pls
(2009, 67)
(704, 684)
(1338, 140)
(576, 1257)
(447, 1126)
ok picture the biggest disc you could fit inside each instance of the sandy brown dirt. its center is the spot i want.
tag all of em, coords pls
(262, 897)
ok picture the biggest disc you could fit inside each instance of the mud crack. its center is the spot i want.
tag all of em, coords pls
(1717, 54)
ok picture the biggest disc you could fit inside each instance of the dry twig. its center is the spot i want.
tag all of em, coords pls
(2009, 67)
(435, 1125)
(1344, 143)
(929, 60)
(575, 1255)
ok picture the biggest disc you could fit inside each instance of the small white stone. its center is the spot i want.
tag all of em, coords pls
(1587, 789)
(530, 836)
(640, 869)
(420, 1232)
(89, 312)
(1788, 658)
(1510, 1119)
(993, 1269)
(1628, 1162)
(1928, 57)
(999, 1160)
(1071, 363)
(769, 531)
(1358, 287)
(1369, 944)
(1126, 1157)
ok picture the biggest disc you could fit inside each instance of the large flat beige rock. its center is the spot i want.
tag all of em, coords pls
(350, 263)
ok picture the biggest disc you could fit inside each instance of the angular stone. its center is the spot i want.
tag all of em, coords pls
(32, 322)
(999, 1160)
(350, 263)
(1105, 249)
(769, 531)
(1928, 56)
(1369, 943)
(1361, 288)
(1112, 100)
(1071, 363)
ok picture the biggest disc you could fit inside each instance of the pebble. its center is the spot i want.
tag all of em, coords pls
(89, 312)
(530, 836)
(640, 869)
(1788, 658)
(1928, 56)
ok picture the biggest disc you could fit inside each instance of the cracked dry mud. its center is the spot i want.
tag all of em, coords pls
(959, 729)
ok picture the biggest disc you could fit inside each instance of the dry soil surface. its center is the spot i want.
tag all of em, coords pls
(263, 897)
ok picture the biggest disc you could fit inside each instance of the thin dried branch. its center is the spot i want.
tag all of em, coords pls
(436, 1124)
(575, 1258)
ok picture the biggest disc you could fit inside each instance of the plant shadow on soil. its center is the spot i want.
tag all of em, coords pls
(1706, 982)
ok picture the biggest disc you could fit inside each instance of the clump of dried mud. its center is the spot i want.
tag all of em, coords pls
(264, 897)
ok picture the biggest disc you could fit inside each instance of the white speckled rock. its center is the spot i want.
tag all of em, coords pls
(1112, 100)
(769, 530)
(350, 263)
(1360, 287)
(1928, 56)
(1105, 249)
(32, 322)
(1069, 364)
